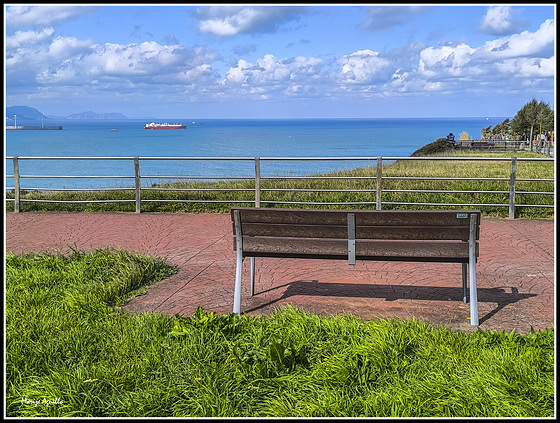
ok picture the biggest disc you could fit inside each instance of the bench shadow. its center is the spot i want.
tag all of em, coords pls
(394, 292)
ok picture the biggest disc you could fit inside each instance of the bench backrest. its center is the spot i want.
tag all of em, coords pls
(411, 235)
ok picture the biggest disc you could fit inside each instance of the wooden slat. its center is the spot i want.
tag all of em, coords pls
(413, 232)
(297, 231)
(292, 216)
(363, 217)
(295, 247)
(329, 248)
(362, 232)
(414, 218)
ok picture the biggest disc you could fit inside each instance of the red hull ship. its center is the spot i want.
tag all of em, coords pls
(164, 126)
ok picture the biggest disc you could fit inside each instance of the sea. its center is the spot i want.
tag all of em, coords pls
(215, 138)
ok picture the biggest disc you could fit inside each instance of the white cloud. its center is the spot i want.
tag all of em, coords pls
(444, 60)
(520, 45)
(522, 55)
(67, 60)
(497, 19)
(28, 37)
(238, 74)
(270, 71)
(195, 74)
(64, 72)
(362, 67)
(147, 58)
(67, 47)
(500, 20)
(383, 17)
(17, 16)
(528, 67)
(230, 25)
(227, 21)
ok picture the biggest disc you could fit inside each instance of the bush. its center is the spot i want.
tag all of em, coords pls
(438, 146)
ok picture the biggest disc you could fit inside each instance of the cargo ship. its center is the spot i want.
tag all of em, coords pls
(154, 125)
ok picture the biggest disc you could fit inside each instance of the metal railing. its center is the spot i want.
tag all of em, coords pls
(541, 147)
(258, 178)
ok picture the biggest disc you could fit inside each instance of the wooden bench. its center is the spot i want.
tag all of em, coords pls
(482, 145)
(384, 235)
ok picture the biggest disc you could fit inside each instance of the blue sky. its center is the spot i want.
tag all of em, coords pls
(280, 60)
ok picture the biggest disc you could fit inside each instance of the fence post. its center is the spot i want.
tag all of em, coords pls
(257, 181)
(378, 194)
(16, 184)
(137, 182)
(512, 178)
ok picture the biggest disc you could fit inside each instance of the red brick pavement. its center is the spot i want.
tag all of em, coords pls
(515, 270)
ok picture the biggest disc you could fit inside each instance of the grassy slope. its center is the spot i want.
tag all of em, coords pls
(72, 352)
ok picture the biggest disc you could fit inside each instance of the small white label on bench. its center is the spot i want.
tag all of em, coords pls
(462, 215)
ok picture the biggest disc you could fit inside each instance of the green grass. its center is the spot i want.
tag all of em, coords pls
(69, 342)
(278, 190)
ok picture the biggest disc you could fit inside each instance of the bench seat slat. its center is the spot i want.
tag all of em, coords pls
(365, 249)
(363, 217)
(362, 232)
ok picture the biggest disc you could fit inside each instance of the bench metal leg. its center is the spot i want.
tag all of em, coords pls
(237, 293)
(472, 272)
(473, 294)
(252, 276)
(238, 264)
(464, 282)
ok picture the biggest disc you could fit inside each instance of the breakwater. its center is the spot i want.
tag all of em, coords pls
(58, 128)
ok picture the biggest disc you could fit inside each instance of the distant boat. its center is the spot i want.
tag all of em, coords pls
(114, 130)
(153, 125)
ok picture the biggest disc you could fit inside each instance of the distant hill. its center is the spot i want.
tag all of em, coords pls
(29, 113)
(23, 113)
(93, 115)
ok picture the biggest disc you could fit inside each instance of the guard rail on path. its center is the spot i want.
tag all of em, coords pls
(378, 179)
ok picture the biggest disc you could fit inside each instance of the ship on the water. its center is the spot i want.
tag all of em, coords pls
(154, 125)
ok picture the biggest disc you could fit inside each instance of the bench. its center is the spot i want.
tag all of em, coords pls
(482, 145)
(385, 235)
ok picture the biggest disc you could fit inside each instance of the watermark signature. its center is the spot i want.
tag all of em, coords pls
(43, 401)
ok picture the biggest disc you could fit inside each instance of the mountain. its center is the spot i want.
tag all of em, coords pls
(23, 113)
(93, 115)
(29, 113)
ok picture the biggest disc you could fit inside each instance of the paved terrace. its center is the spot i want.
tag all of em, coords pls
(515, 270)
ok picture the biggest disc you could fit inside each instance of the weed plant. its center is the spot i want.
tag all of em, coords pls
(71, 351)
(195, 197)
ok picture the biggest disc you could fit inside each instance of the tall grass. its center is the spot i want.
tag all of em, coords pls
(322, 192)
(71, 351)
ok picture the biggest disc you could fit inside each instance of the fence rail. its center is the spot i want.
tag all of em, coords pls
(258, 178)
(541, 147)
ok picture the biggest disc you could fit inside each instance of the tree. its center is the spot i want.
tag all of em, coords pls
(486, 133)
(532, 118)
(501, 130)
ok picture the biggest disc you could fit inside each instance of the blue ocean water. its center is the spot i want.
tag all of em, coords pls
(217, 138)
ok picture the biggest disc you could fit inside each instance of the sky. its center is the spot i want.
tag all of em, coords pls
(270, 60)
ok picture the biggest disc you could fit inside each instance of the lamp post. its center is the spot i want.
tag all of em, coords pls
(15, 122)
